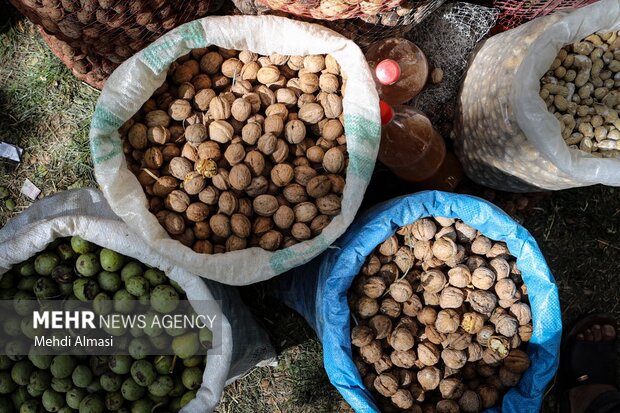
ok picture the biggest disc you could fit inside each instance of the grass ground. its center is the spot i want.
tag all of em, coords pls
(46, 111)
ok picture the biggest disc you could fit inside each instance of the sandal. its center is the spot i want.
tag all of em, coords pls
(586, 362)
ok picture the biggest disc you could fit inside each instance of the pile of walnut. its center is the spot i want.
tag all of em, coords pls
(238, 150)
(441, 314)
(582, 90)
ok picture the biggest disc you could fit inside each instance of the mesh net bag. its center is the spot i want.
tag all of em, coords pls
(516, 12)
(355, 20)
(94, 36)
(448, 37)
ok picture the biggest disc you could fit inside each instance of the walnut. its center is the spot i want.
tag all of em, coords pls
(427, 316)
(412, 306)
(268, 74)
(240, 177)
(318, 186)
(209, 150)
(329, 204)
(384, 364)
(444, 249)
(203, 98)
(174, 223)
(509, 378)
(451, 297)
(501, 267)
(506, 325)
(221, 131)
(423, 229)
(305, 212)
(447, 232)
(194, 182)
(270, 240)
(265, 205)
(319, 223)
(177, 201)
(220, 225)
(381, 325)
(274, 124)
(482, 301)
(457, 340)
(403, 359)
(522, 312)
(474, 352)
(332, 105)
(472, 322)
(295, 193)
(483, 278)
(505, 289)
(402, 399)
(455, 359)
(267, 143)
(240, 225)
(180, 167)
(180, 109)
(367, 307)
(483, 336)
(295, 131)
(401, 339)
(433, 280)
(158, 135)
(361, 336)
(164, 186)
(404, 259)
(428, 354)
(447, 321)
(481, 245)
(389, 246)
(517, 361)
(451, 388)
(371, 353)
(374, 287)
(429, 378)
(470, 402)
(206, 167)
(311, 113)
(137, 136)
(432, 335)
(386, 384)
(228, 203)
(401, 291)
(447, 406)
(489, 395)
(422, 250)
(390, 307)
(499, 249)
(499, 346)
(197, 212)
(235, 243)
(157, 118)
(153, 158)
(308, 82)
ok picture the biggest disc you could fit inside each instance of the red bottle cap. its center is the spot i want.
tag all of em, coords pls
(387, 113)
(387, 71)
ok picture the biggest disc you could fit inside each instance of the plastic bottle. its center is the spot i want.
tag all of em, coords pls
(410, 146)
(400, 69)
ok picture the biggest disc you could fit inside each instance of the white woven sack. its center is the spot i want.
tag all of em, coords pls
(506, 137)
(85, 213)
(136, 80)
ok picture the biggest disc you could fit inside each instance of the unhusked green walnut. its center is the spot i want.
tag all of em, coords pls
(81, 246)
(131, 390)
(186, 345)
(63, 274)
(62, 366)
(143, 372)
(111, 260)
(82, 376)
(162, 386)
(74, 396)
(93, 403)
(192, 377)
(40, 361)
(110, 381)
(88, 265)
(45, 263)
(164, 298)
(131, 269)
(45, 288)
(137, 286)
(52, 401)
(109, 281)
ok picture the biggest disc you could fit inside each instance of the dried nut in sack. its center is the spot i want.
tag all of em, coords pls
(234, 132)
(436, 332)
(581, 91)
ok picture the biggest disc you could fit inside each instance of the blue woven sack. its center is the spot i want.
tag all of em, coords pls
(318, 290)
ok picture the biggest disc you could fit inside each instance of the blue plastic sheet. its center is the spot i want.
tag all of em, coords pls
(318, 290)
